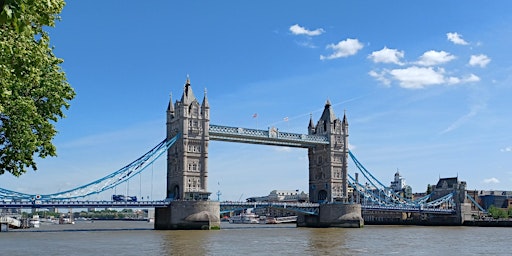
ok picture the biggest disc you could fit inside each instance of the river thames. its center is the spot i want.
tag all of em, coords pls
(139, 238)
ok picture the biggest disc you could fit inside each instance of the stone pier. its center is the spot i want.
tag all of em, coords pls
(188, 215)
(334, 215)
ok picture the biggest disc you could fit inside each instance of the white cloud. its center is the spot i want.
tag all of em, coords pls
(381, 77)
(298, 30)
(432, 58)
(342, 49)
(491, 180)
(387, 55)
(418, 77)
(479, 60)
(415, 77)
(507, 149)
(471, 78)
(456, 38)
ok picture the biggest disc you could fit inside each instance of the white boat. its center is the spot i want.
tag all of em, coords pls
(279, 220)
(34, 222)
(245, 218)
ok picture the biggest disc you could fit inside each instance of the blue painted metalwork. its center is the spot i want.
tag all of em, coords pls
(306, 208)
(407, 209)
(383, 198)
(100, 185)
(80, 204)
(442, 200)
(272, 136)
(477, 205)
(378, 197)
(390, 194)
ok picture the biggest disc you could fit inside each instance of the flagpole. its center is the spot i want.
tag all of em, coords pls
(255, 116)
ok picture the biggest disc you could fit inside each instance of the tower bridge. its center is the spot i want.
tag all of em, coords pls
(187, 204)
(187, 164)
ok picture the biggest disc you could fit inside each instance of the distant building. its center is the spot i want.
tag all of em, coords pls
(281, 196)
(496, 198)
(398, 185)
(447, 186)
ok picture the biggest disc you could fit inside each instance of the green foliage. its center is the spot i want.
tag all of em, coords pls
(429, 189)
(33, 88)
(109, 214)
(498, 213)
(45, 214)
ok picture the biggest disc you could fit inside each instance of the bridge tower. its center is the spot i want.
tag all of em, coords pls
(187, 159)
(187, 167)
(328, 163)
(328, 175)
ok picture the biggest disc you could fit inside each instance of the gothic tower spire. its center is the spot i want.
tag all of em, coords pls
(187, 159)
(327, 163)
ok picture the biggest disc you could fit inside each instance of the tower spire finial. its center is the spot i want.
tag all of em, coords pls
(188, 79)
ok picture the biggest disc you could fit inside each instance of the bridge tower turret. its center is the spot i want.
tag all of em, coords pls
(187, 167)
(187, 159)
(328, 163)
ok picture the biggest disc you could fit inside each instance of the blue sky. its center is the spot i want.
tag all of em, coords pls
(426, 87)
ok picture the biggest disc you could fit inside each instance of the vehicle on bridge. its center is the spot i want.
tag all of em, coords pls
(122, 198)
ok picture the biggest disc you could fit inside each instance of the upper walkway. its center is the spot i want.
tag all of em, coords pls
(272, 136)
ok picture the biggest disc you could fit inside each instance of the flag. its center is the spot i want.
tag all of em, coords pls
(285, 119)
(255, 115)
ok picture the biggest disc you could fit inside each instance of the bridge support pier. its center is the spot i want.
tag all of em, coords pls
(188, 215)
(334, 215)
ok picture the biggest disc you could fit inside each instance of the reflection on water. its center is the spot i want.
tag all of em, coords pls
(186, 242)
(136, 238)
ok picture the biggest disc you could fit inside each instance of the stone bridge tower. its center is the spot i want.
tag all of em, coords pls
(187, 167)
(187, 159)
(328, 163)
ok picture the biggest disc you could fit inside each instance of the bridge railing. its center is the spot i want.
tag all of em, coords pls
(81, 204)
(272, 136)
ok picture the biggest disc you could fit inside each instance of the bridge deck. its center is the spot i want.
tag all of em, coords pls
(306, 207)
(271, 136)
(82, 204)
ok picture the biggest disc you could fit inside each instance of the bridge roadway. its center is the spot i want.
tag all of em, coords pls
(315, 206)
(309, 208)
(82, 204)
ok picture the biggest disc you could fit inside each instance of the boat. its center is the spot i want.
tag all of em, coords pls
(279, 220)
(245, 218)
(34, 222)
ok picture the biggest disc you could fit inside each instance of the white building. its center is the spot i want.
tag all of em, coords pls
(281, 196)
(399, 183)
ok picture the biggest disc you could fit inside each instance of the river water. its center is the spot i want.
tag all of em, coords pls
(139, 238)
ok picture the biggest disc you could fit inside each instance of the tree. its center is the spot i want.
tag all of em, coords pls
(429, 189)
(33, 87)
(497, 213)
